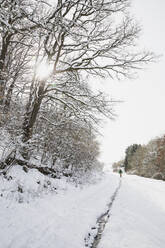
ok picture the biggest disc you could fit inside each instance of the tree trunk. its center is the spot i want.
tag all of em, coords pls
(8, 97)
(3, 53)
(30, 117)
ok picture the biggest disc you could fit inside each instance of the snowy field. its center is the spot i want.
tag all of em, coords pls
(54, 214)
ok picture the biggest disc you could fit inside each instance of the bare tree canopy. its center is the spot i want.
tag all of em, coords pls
(73, 39)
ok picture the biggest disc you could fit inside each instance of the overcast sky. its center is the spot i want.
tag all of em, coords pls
(142, 115)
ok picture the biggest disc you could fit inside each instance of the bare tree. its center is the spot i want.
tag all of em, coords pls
(77, 39)
(81, 38)
(15, 37)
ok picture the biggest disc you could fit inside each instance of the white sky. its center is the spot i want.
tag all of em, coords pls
(142, 116)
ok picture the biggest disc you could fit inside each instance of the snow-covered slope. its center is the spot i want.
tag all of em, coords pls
(51, 213)
(44, 219)
(137, 216)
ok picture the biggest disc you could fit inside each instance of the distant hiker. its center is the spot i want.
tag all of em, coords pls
(120, 172)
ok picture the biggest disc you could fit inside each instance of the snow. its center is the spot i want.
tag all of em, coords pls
(61, 219)
(61, 215)
(137, 216)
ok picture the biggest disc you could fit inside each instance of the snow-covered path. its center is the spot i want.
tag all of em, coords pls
(59, 220)
(103, 220)
(137, 216)
(62, 220)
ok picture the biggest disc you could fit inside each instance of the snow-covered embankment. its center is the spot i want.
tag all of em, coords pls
(50, 213)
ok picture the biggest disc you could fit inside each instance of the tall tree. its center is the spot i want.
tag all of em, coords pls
(76, 39)
(81, 38)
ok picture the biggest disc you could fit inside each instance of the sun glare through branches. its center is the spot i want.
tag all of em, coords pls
(43, 70)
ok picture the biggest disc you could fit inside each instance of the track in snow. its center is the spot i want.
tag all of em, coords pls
(101, 223)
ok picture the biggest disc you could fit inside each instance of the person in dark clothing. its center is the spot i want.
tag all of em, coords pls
(120, 172)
